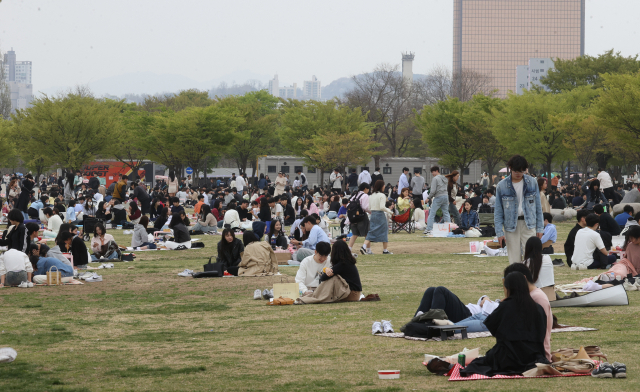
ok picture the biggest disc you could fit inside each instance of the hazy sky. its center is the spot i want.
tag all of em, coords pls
(79, 41)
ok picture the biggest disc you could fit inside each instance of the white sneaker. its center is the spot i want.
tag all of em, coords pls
(386, 252)
(29, 284)
(23, 285)
(94, 278)
(628, 286)
(7, 354)
(257, 294)
(106, 266)
(574, 267)
(376, 327)
(387, 327)
(185, 273)
(85, 275)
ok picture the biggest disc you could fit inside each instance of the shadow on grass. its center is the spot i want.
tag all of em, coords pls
(21, 376)
(145, 371)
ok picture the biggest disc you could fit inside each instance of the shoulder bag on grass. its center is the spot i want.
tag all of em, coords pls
(214, 267)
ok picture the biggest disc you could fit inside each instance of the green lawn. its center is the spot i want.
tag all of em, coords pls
(146, 329)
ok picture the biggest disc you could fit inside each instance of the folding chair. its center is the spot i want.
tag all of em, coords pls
(403, 222)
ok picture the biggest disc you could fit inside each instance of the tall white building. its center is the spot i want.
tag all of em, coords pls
(530, 75)
(289, 92)
(312, 89)
(274, 86)
(407, 66)
(18, 78)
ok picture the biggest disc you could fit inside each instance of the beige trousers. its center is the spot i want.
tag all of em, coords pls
(517, 240)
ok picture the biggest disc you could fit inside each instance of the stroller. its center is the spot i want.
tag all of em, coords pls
(403, 222)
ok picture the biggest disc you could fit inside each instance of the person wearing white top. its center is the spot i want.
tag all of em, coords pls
(606, 184)
(364, 177)
(378, 227)
(53, 220)
(240, 184)
(539, 264)
(590, 252)
(336, 180)
(231, 217)
(15, 268)
(308, 276)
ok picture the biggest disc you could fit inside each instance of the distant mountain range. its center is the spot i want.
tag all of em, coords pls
(149, 83)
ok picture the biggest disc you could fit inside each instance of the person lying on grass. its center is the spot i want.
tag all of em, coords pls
(308, 276)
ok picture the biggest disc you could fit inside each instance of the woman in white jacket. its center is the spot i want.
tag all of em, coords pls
(379, 228)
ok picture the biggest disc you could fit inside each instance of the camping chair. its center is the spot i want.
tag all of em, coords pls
(403, 222)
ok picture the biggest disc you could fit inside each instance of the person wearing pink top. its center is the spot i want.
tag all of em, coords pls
(360, 228)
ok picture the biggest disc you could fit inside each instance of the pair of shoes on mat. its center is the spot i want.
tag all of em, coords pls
(266, 294)
(383, 326)
(106, 266)
(371, 297)
(186, 272)
(605, 370)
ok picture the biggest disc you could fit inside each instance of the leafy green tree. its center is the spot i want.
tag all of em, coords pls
(455, 132)
(583, 136)
(7, 145)
(618, 104)
(191, 135)
(327, 135)
(177, 102)
(526, 126)
(257, 133)
(483, 108)
(588, 70)
(130, 139)
(70, 130)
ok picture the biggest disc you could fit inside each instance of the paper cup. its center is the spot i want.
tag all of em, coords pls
(388, 374)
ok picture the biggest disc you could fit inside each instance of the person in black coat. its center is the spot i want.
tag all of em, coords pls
(25, 195)
(230, 250)
(140, 193)
(94, 182)
(519, 325)
(607, 223)
(376, 176)
(16, 236)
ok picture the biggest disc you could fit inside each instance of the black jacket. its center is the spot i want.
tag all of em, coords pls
(25, 195)
(94, 183)
(569, 244)
(79, 252)
(230, 258)
(140, 193)
(180, 233)
(608, 224)
(17, 239)
(375, 178)
(353, 179)
(348, 272)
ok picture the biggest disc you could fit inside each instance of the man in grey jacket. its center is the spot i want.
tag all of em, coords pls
(438, 197)
(417, 183)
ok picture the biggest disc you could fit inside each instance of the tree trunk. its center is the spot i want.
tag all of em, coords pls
(376, 161)
(461, 176)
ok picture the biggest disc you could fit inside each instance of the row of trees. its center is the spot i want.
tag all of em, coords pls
(590, 116)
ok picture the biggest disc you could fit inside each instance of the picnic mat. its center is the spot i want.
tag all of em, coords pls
(479, 255)
(474, 335)
(455, 375)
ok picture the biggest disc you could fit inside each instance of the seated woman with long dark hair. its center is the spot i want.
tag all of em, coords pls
(276, 236)
(519, 325)
(540, 265)
(338, 283)
(162, 219)
(206, 221)
(230, 250)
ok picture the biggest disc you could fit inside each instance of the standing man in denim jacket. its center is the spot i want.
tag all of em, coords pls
(518, 213)
(439, 198)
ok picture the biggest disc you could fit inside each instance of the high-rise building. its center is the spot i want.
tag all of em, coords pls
(493, 37)
(312, 89)
(18, 78)
(274, 86)
(289, 92)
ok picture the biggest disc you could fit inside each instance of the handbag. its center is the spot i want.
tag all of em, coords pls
(214, 267)
(53, 277)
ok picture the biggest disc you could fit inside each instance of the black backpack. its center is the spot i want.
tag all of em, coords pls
(355, 213)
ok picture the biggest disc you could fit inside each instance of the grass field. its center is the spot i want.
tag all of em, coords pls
(147, 329)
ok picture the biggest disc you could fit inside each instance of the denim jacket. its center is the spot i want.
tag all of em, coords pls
(469, 219)
(506, 211)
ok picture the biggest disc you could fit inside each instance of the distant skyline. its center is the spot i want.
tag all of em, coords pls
(74, 42)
